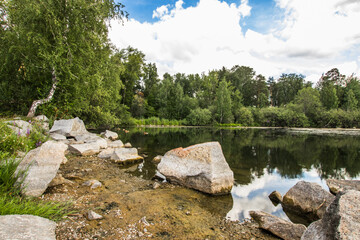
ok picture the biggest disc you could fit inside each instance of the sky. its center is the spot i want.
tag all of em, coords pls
(308, 37)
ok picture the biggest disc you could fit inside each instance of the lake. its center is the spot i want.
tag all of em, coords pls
(263, 160)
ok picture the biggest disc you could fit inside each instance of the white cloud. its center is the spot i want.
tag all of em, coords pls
(160, 11)
(314, 37)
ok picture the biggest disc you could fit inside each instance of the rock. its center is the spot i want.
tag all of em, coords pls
(20, 127)
(202, 167)
(116, 144)
(85, 149)
(156, 185)
(59, 180)
(42, 121)
(275, 197)
(57, 137)
(106, 153)
(128, 145)
(110, 135)
(126, 155)
(41, 118)
(158, 176)
(91, 215)
(25, 227)
(69, 128)
(42, 163)
(336, 186)
(340, 221)
(92, 184)
(157, 159)
(279, 227)
(91, 138)
(308, 200)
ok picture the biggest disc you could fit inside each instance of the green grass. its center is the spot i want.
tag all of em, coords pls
(11, 200)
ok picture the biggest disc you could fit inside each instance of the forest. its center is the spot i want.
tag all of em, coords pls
(59, 51)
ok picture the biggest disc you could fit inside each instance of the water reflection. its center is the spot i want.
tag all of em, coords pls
(262, 160)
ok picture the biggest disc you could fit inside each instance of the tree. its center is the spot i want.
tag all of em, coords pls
(350, 101)
(223, 103)
(60, 45)
(328, 97)
(309, 101)
(286, 88)
(133, 62)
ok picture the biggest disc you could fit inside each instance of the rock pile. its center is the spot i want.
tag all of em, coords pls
(331, 217)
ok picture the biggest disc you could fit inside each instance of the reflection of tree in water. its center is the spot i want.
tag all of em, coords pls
(252, 152)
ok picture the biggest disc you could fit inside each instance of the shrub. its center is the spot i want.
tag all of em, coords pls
(199, 117)
(244, 116)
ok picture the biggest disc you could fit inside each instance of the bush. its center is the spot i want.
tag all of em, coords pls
(244, 116)
(199, 117)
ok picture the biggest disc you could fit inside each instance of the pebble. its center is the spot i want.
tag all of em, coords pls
(91, 215)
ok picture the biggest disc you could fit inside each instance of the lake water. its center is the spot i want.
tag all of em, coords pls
(263, 160)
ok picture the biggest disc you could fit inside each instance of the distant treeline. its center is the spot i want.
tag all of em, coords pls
(64, 46)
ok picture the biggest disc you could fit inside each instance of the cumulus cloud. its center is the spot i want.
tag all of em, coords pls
(313, 37)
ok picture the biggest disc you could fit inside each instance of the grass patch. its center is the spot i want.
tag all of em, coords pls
(11, 201)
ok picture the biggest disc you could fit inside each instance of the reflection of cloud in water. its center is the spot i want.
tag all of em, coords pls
(254, 196)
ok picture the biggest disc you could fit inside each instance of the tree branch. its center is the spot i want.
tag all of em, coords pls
(37, 103)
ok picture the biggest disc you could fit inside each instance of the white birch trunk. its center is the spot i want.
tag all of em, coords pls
(37, 103)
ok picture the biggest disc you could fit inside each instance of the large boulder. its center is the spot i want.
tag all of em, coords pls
(116, 144)
(307, 200)
(341, 220)
(202, 167)
(69, 127)
(26, 227)
(42, 164)
(277, 226)
(126, 155)
(336, 186)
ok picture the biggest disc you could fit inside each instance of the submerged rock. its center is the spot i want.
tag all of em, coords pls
(307, 200)
(126, 155)
(42, 164)
(337, 186)
(202, 167)
(26, 227)
(341, 219)
(69, 128)
(277, 226)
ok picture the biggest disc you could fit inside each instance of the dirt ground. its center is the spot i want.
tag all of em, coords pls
(134, 208)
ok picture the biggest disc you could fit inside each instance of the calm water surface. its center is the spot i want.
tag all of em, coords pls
(263, 160)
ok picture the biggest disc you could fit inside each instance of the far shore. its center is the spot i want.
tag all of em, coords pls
(337, 131)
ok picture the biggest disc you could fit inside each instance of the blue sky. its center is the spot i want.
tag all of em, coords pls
(307, 37)
(264, 14)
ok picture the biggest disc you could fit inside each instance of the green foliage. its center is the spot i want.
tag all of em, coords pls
(244, 116)
(11, 142)
(223, 103)
(309, 102)
(199, 117)
(328, 97)
(286, 88)
(350, 101)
